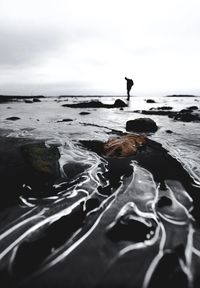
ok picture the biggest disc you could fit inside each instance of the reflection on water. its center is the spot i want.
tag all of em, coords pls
(108, 211)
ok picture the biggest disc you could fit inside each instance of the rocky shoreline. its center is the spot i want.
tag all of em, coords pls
(90, 212)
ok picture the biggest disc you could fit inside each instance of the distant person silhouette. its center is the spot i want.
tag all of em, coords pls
(129, 83)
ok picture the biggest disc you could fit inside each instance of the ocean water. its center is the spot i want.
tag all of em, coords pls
(40, 120)
(73, 235)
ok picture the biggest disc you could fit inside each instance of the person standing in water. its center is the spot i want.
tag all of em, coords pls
(129, 83)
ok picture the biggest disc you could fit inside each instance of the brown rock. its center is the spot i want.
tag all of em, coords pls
(124, 146)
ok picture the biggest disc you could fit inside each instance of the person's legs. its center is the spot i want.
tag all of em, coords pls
(128, 94)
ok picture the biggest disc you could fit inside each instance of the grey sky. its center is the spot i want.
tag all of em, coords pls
(55, 47)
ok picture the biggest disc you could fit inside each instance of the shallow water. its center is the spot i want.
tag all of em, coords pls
(118, 226)
(40, 120)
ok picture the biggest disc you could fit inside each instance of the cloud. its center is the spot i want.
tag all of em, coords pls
(24, 47)
(89, 45)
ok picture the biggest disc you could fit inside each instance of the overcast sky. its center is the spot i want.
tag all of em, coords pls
(55, 47)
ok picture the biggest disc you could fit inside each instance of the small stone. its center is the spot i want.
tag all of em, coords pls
(150, 101)
(84, 113)
(65, 120)
(13, 118)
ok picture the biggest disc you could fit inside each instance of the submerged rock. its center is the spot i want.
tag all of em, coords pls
(141, 125)
(124, 146)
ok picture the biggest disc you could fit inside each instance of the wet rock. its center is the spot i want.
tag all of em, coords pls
(164, 201)
(128, 228)
(28, 101)
(13, 118)
(192, 108)
(119, 103)
(181, 96)
(153, 111)
(36, 100)
(42, 160)
(96, 104)
(124, 146)
(164, 108)
(150, 101)
(65, 120)
(141, 125)
(93, 145)
(84, 113)
(187, 115)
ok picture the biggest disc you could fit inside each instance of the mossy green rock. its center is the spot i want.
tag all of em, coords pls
(42, 159)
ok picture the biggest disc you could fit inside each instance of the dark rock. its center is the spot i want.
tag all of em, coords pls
(11, 98)
(93, 145)
(169, 131)
(36, 100)
(165, 108)
(150, 101)
(141, 125)
(181, 96)
(96, 104)
(28, 101)
(42, 159)
(13, 118)
(153, 111)
(65, 120)
(186, 115)
(84, 113)
(164, 201)
(192, 108)
(119, 103)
